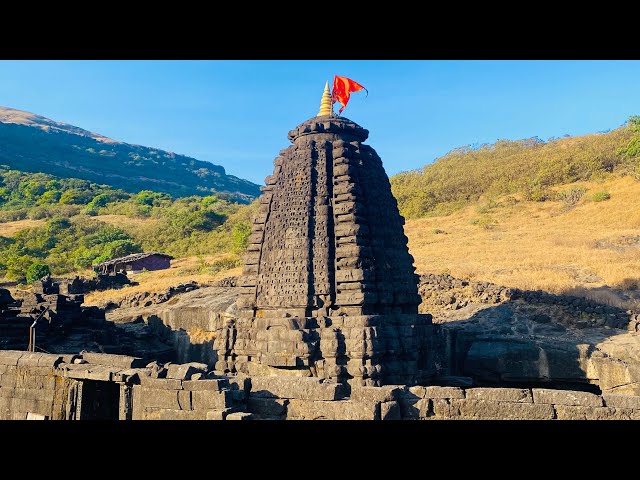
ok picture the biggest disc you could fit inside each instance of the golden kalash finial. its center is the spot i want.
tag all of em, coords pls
(326, 105)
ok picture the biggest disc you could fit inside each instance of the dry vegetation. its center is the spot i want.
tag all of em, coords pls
(549, 245)
(9, 229)
(124, 222)
(182, 270)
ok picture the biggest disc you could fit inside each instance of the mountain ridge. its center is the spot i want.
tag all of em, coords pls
(34, 143)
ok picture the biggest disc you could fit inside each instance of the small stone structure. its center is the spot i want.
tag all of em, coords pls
(136, 262)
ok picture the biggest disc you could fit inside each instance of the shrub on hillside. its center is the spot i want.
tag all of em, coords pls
(37, 271)
(600, 196)
(570, 198)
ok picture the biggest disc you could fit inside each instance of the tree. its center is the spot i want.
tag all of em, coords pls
(240, 237)
(36, 271)
(120, 248)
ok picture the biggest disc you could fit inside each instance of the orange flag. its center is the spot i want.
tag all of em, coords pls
(342, 88)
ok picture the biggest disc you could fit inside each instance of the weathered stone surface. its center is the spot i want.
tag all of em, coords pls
(566, 397)
(328, 410)
(443, 392)
(390, 411)
(185, 370)
(574, 412)
(147, 397)
(386, 393)
(161, 383)
(489, 410)
(292, 387)
(267, 406)
(621, 401)
(214, 415)
(121, 361)
(205, 384)
(211, 400)
(518, 395)
(173, 414)
(239, 416)
(10, 357)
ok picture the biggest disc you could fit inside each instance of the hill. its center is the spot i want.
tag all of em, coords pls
(71, 224)
(32, 143)
(529, 167)
(590, 246)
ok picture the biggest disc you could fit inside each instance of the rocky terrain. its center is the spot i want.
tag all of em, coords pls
(491, 334)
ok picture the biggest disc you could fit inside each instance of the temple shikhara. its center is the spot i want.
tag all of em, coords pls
(329, 285)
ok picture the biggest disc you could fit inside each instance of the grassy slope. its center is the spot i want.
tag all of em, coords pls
(528, 167)
(538, 245)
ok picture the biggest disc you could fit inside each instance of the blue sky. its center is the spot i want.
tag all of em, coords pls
(237, 113)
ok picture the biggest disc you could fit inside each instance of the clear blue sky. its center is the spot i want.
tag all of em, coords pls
(237, 113)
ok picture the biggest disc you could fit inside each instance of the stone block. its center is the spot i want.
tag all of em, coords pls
(386, 393)
(154, 398)
(518, 395)
(331, 410)
(267, 406)
(7, 381)
(185, 370)
(575, 412)
(488, 410)
(101, 373)
(438, 409)
(47, 360)
(211, 400)
(161, 383)
(443, 392)
(185, 400)
(79, 372)
(29, 359)
(294, 387)
(239, 416)
(390, 411)
(214, 415)
(36, 381)
(173, 414)
(10, 357)
(410, 407)
(120, 361)
(206, 384)
(621, 401)
(566, 397)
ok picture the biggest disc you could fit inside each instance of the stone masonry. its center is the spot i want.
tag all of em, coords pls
(328, 287)
(94, 386)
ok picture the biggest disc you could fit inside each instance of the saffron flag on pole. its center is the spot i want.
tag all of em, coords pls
(342, 88)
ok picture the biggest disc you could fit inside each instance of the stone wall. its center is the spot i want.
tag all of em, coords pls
(451, 403)
(103, 386)
(31, 388)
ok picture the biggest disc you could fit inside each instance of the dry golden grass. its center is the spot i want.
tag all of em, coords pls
(182, 270)
(9, 229)
(538, 245)
(122, 221)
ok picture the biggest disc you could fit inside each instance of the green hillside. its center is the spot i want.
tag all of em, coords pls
(32, 143)
(525, 167)
(71, 224)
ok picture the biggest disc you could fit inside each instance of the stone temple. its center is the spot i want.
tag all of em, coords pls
(323, 324)
(328, 287)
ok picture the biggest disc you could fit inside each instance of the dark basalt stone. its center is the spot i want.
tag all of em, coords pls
(328, 244)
